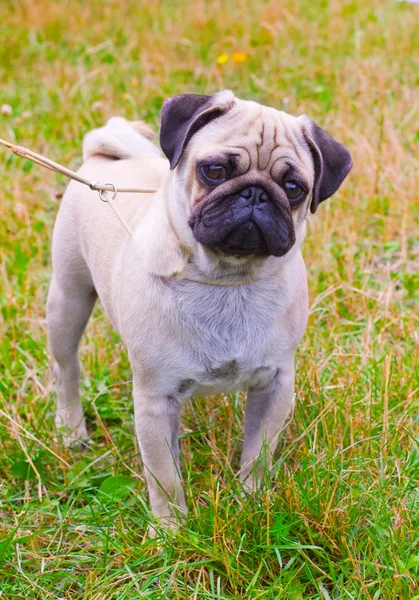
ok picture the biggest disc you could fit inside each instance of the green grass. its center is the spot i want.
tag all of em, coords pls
(340, 516)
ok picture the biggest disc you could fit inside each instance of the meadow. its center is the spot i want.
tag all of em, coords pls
(340, 516)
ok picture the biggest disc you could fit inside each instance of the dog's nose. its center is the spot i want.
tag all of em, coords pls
(254, 194)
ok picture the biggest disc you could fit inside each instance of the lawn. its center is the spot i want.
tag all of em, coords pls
(340, 516)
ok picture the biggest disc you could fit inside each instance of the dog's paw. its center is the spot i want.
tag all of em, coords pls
(163, 527)
(251, 484)
(167, 525)
(248, 488)
(77, 436)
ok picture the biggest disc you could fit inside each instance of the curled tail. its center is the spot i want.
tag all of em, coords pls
(120, 139)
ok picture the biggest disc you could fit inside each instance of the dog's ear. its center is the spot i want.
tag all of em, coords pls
(184, 115)
(332, 162)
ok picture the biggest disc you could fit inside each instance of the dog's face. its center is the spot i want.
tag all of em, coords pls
(250, 173)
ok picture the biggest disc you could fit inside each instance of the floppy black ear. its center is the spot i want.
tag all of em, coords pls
(184, 115)
(332, 163)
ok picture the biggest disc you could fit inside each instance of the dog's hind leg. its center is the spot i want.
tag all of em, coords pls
(69, 306)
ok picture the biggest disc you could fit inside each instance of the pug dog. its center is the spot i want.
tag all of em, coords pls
(209, 293)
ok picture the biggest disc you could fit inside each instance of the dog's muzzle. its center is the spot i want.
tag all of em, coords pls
(247, 222)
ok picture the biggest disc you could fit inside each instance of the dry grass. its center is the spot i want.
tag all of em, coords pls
(340, 518)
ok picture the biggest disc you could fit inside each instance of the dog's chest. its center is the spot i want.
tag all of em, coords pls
(230, 336)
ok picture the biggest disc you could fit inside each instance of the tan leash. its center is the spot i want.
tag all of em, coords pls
(103, 190)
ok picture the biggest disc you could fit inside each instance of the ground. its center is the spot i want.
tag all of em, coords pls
(340, 516)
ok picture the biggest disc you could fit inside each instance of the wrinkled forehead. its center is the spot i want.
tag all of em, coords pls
(260, 135)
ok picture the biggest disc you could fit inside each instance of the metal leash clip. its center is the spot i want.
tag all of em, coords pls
(102, 193)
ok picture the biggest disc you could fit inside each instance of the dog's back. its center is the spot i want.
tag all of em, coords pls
(88, 236)
(122, 153)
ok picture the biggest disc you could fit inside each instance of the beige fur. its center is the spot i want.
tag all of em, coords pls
(183, 338)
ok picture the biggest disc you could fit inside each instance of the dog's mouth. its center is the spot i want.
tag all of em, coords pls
(244, 240)
(248, 222)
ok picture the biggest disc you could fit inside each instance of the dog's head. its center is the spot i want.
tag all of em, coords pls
(249, 173)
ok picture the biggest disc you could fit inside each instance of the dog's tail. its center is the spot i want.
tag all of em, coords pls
(120, 139)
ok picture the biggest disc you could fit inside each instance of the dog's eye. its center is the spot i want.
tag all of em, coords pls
(214, 173)
(294, 191)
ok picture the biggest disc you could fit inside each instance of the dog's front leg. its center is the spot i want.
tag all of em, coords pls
(157, 422)
(267, 409)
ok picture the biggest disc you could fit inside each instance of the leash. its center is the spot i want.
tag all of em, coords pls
(103, 190)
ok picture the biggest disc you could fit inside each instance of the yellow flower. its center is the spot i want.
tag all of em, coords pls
(239, 57)
(222, 59)
(134, 83)
(125, 96)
